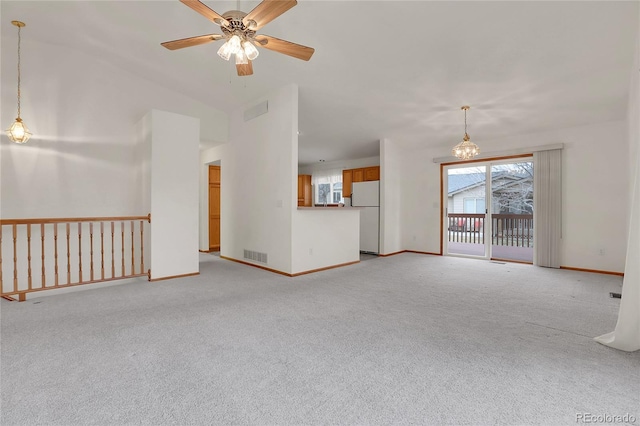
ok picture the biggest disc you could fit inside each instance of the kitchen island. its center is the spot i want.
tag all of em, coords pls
(325, 237)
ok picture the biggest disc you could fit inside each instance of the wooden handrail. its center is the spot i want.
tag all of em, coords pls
(72, 219)
(22, 243)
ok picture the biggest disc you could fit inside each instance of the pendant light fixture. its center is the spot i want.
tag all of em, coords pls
(18, 131)
(466, 149)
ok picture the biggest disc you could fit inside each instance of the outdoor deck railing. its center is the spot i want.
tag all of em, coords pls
(507, 229)
(93, 249)
(466, 227)
(514, 230)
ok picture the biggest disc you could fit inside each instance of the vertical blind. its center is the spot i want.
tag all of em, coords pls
(547, 194)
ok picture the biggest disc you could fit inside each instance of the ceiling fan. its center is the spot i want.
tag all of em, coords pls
(239, 31)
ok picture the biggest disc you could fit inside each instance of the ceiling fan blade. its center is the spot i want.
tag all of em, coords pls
(191, 41)
(266, 12)
(282, 46)
(244, 69)
(205, 11)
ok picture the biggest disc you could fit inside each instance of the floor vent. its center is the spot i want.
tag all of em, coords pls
(615, 295)
(255, 255)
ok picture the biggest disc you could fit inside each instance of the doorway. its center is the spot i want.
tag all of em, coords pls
(489, 209)
(214, 208)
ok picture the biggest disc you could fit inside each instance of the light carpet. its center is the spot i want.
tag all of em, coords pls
(408, 339)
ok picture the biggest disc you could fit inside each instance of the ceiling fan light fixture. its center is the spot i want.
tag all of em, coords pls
(225, 51)
(241, 58)
(234, 44)
(466, 149)
(250, 50)
(239, 32)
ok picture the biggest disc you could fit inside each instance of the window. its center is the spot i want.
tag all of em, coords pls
(474, 205)
(328, 186)
(337, 193)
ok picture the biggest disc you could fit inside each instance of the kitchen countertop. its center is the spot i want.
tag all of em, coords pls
(329, 208)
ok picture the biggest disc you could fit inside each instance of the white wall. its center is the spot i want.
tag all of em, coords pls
(258, 182)
(391, 195)
(174, 193)
(326, 237)
(259, 208)
(595, 192)
(82, 112)
(420, 211)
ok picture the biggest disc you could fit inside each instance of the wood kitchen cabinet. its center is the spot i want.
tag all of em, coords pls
(358, 175)
(364, 174)
(372, 173)
(304, 190)
(347, 178)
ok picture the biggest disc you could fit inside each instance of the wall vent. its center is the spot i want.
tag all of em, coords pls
(256, 111)
(255, 256)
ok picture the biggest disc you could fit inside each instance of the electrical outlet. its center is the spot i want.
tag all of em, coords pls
(601, 252)
(311, 251)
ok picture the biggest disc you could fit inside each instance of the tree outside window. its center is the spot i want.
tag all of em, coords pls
(324, 189)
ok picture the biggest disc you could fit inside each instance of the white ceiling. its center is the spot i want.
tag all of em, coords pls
(382, 69)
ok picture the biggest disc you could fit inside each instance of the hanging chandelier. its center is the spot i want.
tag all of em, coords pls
(466, 149)
(18, 131)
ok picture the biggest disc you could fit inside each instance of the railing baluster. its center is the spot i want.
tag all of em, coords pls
(133, 267)
(511, 221)
(122, 236)
(102, 250)
(29, 282)
(465, 234)
(44, 279)
(55, 251)
(141, 247)
(80, 251)
(91, 249)
(113, 260)
(15, 258)
(68, 254)
(474, 232)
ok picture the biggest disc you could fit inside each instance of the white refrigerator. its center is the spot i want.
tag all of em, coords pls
(366, 196)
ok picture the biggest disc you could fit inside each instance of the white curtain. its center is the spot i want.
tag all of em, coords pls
(626, 335)
(330, 176)
(547, 220)
(326, 176)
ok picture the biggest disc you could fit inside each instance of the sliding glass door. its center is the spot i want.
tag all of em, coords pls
(466, 210)
(489, 211)
(512, 211)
